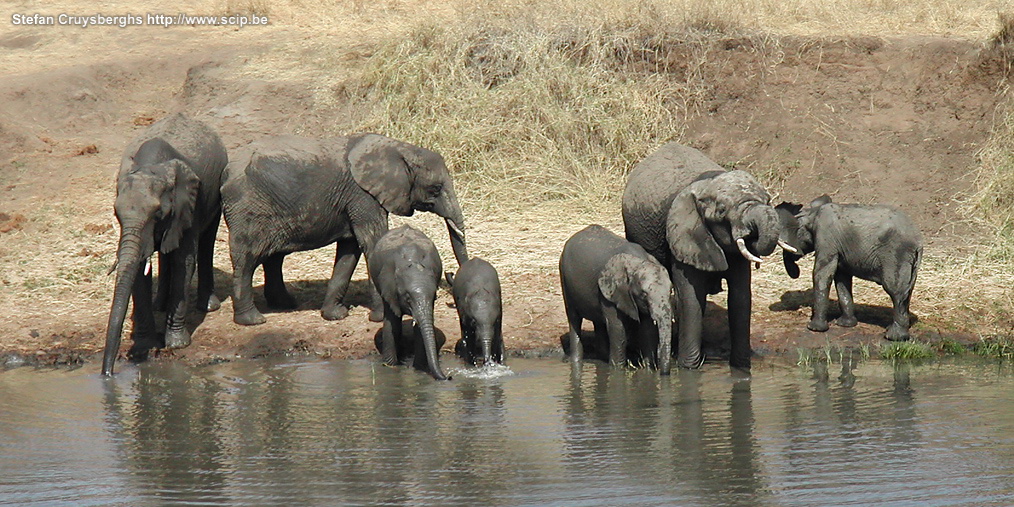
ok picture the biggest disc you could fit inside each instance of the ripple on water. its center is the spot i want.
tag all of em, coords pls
(485, 372)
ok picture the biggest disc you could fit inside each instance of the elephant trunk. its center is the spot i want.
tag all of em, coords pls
(130, 253)
(447, 207)
(422, 312)
(661, 313)
(484, 334)
(762, 223)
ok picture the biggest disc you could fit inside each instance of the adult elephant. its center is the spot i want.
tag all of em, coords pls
(704, 224)
(288, 194)
(167, 200)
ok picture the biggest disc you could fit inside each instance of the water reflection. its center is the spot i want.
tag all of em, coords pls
(350, 433)
(165, 432)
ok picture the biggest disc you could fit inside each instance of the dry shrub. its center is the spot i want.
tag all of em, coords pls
(533, 107)
(994, 201)
(1002, 43)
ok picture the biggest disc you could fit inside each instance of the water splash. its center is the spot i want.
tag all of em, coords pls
(485, 372)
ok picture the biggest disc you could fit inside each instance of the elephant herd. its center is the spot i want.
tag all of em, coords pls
(689, 224)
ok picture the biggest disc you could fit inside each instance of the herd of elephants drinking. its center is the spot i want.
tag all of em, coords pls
(689, 223)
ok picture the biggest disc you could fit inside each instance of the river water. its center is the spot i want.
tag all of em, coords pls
(313, 432)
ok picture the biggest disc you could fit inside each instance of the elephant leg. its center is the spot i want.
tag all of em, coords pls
(647, 344)
(376, 303)
(145, 333)
(617, 333)
(390, 335)
(345, 260)
(898, 331)
(274, 285)
(600, 341)
(691, 293)
(162, 290)
(823, 271)
(740, 303)
(207, 301)
(498, 342)
(843, 285)
(468, 338)
(573, 331)
(245, 313)
(184, 260)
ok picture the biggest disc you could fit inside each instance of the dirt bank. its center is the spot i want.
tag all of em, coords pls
(866, 119)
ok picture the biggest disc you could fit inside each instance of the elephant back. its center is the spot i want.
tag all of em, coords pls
(476, 276)
(651, 187)
(194, 139)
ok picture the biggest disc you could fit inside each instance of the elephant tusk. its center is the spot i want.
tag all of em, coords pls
(454, 227)
(787, 247)
(147, 267)
(741, 243)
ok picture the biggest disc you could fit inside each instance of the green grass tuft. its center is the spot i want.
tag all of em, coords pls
(949, 346)
(998, 347)
(906, 351)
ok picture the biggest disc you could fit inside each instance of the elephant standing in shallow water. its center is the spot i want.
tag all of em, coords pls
(288, 194)
(167, 200)
(405, 268)
(476, 291)
(624, 291)
(704, 224)
(876, 243)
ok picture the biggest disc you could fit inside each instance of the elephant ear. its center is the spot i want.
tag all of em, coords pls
(615, 284)
(690, 241)
(378, 167)
(178, 203)
(820, 201)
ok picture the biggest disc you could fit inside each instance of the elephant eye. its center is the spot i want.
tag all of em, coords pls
(436, 189)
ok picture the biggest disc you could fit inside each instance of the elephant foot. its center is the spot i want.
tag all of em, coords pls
(142, 345)
(335, 312)
(844, 321)
(818, 325)
(281, 300)
(896, 333)
(213, 304)
(138, 353)
(249, 318)
(177, 339)
(377, 315)
(692, 363)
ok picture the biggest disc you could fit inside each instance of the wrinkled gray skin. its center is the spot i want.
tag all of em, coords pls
(167, 200)
(410, 344)
(876, 243)
(623, 291)
(405, 268)
(688, 212)
(476, 290)
(288, 194)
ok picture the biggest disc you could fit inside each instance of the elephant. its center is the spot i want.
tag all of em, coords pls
(405, 268)
(409, 344)
(878, 243)
(703, 223)
(476, 290)
(287, 194)
(167, 200)
(623, 291)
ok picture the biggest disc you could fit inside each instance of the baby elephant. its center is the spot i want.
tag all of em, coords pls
(476, 290)
(876, 243)
(405, 267)
(623, 290)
